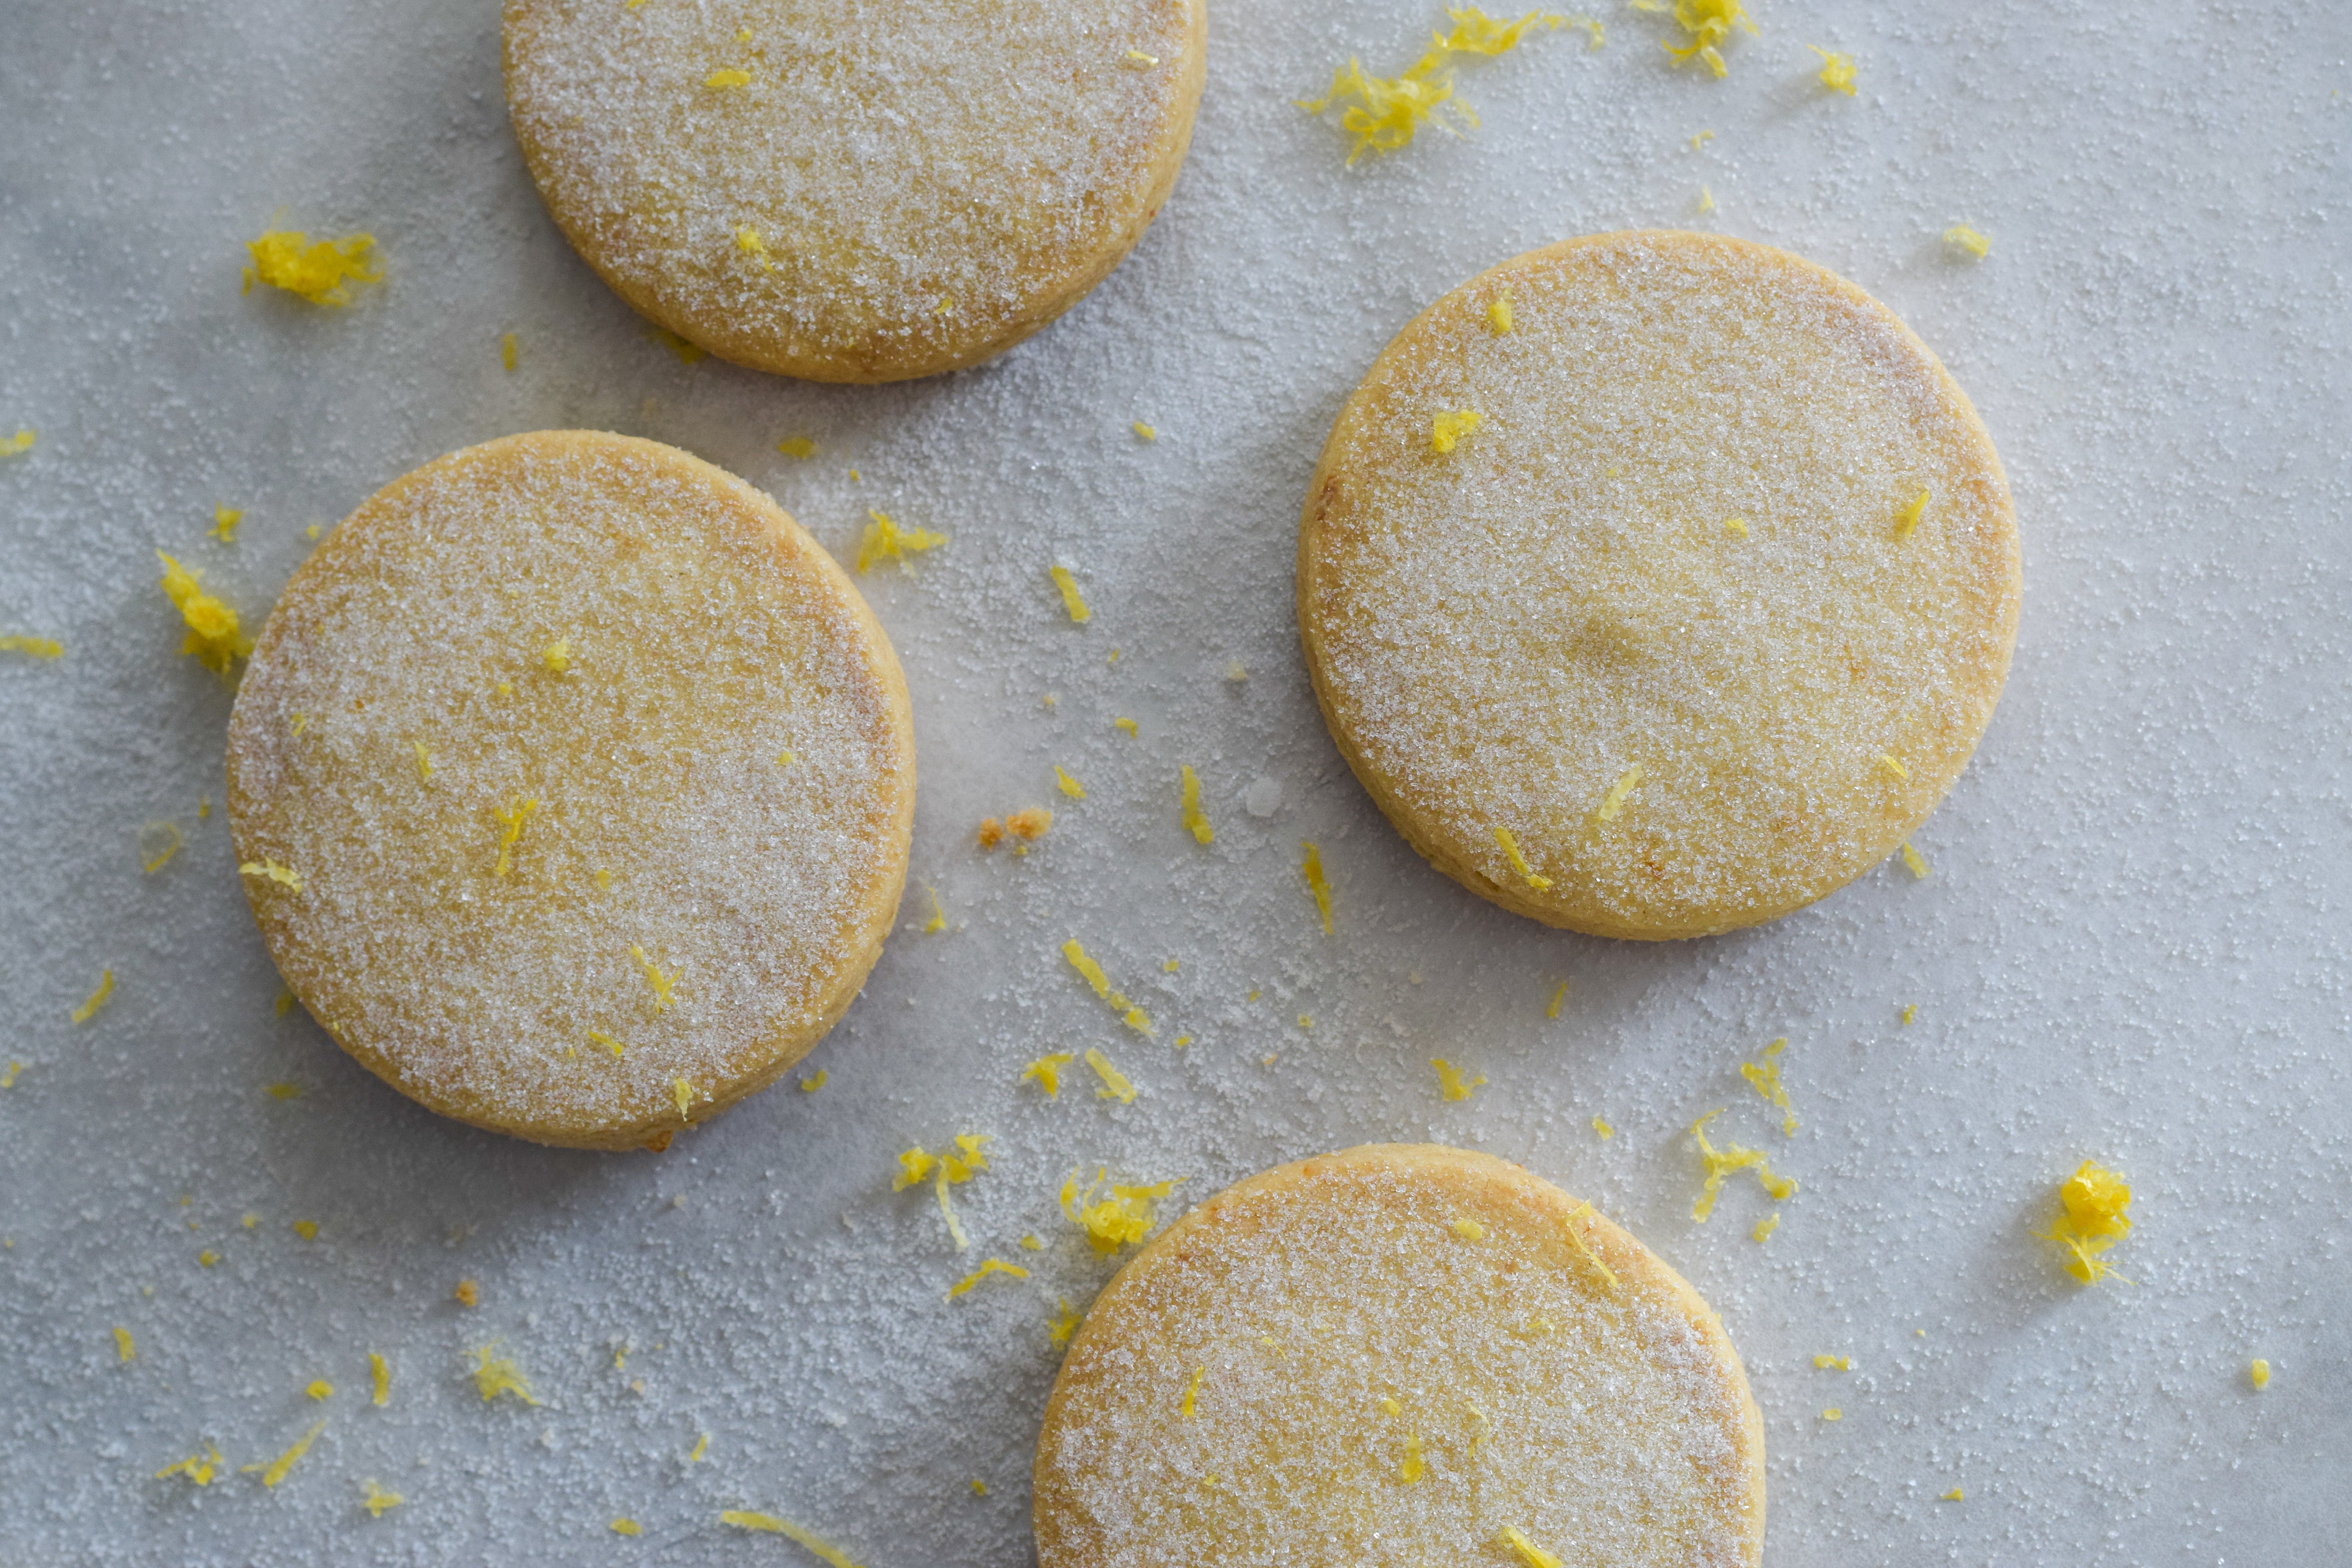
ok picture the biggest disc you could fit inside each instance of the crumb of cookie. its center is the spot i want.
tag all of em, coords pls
(1387, 111)
(1312, 866)
(1071, 601)
(885, 541)
(1764, 1076)
(1708, 23)
(467, 1294)
(225, 521)
(213, 636)
(36, 648)
(1837, 70)
(322, 271)
(798, 446)
(1833, 1363)
(810, 1084)
(2258, 1372)
(1726, 1161)
(1450, 1083)
(1968, 241)
(1917, 864)
(1123, 1216)
(744, 1520)
(276, 1469)
(494, 1376)
(1559, 995)
(1448, 428)
(511, 817)
(1614, 801)
(158, 842)
(1129, 1014)
(1196, 821)
(1115, 1083)
(1529, 1554)
(1047, 1071)
(380, 1378)
(1509, 846)
(18, 444)
(199, 1469)
(1068, 785)
(992, 1266)
(2093, 1199)
(89, 1009)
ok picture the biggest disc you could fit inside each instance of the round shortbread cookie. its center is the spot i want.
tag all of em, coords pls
(855, 190)
(1399, 1355)
(1664, 644)
(572, 782)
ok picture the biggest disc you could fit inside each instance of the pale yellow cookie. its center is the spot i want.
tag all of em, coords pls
(851, 191)
(1704, 608)
(573, 783)
(1393, 1357)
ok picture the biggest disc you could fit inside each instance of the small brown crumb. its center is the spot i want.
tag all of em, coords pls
(1024, 826)
(467, 1293)
(991, 833)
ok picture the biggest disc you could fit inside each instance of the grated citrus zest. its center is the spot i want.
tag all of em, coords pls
(1071, 601)
(1729, 1160)
(1065, 1324)
(1908, 519)
(1115, 1084)
(88, 1010)
(1447, 428)
(1837, 70)
(1584, 1249)
(1313, 868)
(2093, 1199)
(199, 1469)
(743, 1520)
(885, 541)
(1129, 1014)
(992, 1266)
(321, 271)
(1559, 995)
(213, 636)
(380, 1375)
(1047, 1071)
(660, 981)
(1388, 111)
(1764, 1076)
(37, 647)
(378, 1500)
(1069, 786)
(278, 1468)
(1123, 1216)
(1614, 801)
(1963, 238)
(494, 1376)
(1196, 820)
(1917, 865)
(1449, 1084)
(1529, 1553)
(1510, 848)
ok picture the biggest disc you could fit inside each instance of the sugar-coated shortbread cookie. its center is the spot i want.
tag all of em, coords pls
(1395, 1356)
(855, 190)
(572, 782)
(1657, 583)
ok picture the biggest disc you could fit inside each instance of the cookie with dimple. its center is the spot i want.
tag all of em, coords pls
(1657, 583)
(855, 190)
(572, 785)
(1394, 1356)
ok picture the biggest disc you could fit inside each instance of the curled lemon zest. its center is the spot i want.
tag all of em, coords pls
(1047, 1071)
(1726, 1161)
(1584, 1249)
(1129, 1014)
(988, 1266)
(1510, 848)
(885, 541)
(284, 875)
(810, 1084)
(1894, 764)
(1764, 1076)
(1071, 601)
(322, 271)
(1115, 1084)
(511, 817)
(1917, 864)
(1908, 519)
(938, 921)
(1529, 1553)
(89, 1009)
(158, 842)
(949, 1167)
(1312, 868)
(660, 981)
(199, 1469)
(1450, 1083)
(213, 638)
(743, 1519)
(1736, 526)
(1447, 428)
(1614, 801)
(494, 1376)
(1123, 1216)
(276, 1469)
(423, 763)
(1196, 821)
(1837, 70)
